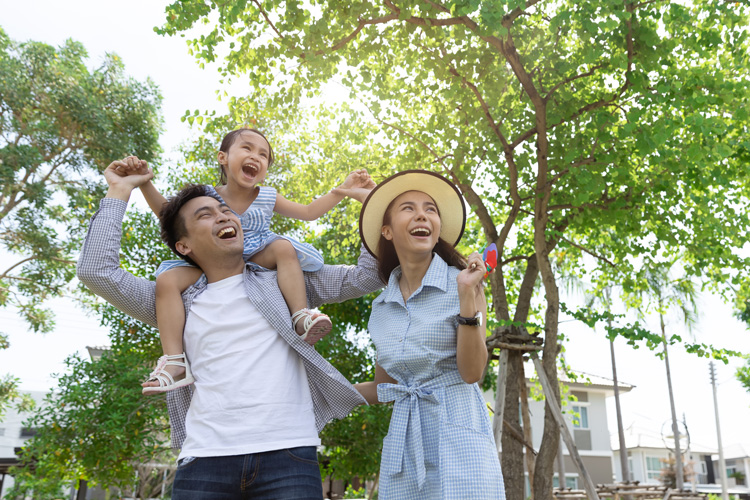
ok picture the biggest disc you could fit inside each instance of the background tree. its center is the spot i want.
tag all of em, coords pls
(665, 292)
(96, 425)
(613, 129)
(61, 123)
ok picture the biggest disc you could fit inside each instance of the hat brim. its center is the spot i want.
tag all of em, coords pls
(448, 198)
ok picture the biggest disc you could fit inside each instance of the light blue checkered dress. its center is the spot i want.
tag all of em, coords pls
(255, 224)
(440, 443)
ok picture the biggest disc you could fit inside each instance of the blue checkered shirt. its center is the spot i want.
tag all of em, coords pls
(440, 443)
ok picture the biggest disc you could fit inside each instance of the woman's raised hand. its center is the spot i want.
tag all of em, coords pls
(471, 277)
(357, 185)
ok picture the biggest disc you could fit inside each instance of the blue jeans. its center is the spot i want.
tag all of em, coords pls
(289, 474)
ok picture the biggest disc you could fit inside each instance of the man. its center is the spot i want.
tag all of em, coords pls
(249, 428)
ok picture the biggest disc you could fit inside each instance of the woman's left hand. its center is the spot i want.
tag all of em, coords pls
(470, 279)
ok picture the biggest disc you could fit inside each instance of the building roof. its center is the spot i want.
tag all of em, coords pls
(649, 438)
(739, 450)
(583, 380)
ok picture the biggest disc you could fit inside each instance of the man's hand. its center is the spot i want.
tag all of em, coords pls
(125, 175)
(357, 185)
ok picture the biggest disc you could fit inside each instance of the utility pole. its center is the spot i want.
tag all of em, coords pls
(722, 464)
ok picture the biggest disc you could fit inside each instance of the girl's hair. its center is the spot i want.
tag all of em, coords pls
(227, 142)
(388, 259)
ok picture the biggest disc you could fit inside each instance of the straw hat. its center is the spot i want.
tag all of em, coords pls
(449, 201)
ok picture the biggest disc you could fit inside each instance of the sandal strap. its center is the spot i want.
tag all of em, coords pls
(307, 313)
(164, 377)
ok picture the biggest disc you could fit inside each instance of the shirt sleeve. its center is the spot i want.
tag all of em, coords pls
(99, 265)
(340, 283)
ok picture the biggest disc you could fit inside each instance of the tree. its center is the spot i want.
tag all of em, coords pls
(96, 425)
(666, 292)
(611, 129)
(60, 125)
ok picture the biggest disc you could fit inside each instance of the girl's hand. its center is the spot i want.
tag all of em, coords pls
(121, 183)
(132, 165)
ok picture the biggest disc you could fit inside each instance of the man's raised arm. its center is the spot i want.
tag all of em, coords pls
(99, 264)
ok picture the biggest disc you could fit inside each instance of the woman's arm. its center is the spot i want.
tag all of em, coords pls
(369, 390)
(357, 185)
(471, 348)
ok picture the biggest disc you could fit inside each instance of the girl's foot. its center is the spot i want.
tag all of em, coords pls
(314, 327)
(171, 372)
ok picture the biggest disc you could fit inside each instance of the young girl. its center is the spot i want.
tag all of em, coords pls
(244, 157)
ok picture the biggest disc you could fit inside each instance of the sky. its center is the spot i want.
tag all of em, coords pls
(126, 28)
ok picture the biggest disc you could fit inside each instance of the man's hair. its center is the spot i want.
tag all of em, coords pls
(172, 223)
(229, 139)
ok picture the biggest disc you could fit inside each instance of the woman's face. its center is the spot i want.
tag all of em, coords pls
(412, 223)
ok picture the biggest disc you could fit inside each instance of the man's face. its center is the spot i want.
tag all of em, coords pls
(213, 231)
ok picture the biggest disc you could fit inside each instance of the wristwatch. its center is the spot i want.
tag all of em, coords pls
(474, 321)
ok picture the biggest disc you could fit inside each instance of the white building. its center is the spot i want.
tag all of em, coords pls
(13, 434)
(737, 462)
(586, 415)
(649, 453)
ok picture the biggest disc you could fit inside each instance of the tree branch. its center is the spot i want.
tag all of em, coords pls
(572, 79)
(336, 46)
(586, 250)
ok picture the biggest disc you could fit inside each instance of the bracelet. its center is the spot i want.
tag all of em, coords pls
(476, 320)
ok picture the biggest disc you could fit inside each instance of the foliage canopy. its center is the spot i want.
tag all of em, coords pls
(61, 123)
(593, 134)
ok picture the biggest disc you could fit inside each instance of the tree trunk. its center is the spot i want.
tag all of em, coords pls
(679, 480)
(512, 458)
(550, 436)
(624, 465)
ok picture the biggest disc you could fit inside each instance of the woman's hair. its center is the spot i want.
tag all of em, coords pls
(388, 259)
(172, 223)
(227, 142)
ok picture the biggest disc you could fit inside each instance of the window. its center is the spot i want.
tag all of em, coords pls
(27, 432)
(582, 422)
(581, 432)
(653, 468)
(570, 482)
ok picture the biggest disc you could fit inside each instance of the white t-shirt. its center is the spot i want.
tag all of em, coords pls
(251, 392)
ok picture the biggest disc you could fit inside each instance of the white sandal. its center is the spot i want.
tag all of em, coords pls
(315, 329)
(165, 379)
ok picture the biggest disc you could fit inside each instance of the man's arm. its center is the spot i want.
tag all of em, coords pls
(99, 264)
(340, 283)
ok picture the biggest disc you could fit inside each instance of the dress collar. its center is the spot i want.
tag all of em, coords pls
(436, 276)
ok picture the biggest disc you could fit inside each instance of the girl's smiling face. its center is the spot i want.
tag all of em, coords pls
(412, 223)
(246, 162)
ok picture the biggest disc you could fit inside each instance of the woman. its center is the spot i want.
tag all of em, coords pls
(428, 329)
